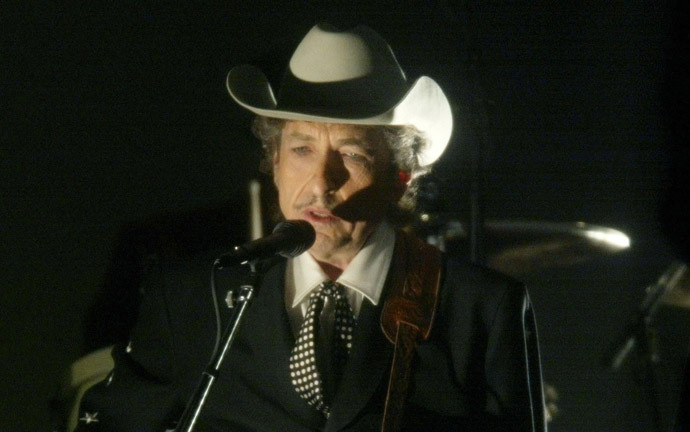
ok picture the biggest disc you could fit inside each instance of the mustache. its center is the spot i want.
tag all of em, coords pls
(329, 202)
(356, 208)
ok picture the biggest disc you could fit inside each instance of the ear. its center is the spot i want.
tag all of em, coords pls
(275, 162)
(274, 167)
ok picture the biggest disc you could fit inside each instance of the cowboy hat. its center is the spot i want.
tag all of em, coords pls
(348, 77)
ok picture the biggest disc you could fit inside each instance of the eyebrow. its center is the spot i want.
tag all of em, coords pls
(301, 136)
(359, 142)
(363, 144)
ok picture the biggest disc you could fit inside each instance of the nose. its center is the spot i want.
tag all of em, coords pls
(329, 174)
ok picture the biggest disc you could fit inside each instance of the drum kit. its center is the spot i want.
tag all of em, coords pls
(522, 248)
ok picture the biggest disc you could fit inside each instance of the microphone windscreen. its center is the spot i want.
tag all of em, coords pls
(301, 231)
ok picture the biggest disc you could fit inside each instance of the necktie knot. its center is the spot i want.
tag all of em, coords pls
(328, 289)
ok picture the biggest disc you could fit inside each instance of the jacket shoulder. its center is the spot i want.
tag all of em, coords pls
(473, 289)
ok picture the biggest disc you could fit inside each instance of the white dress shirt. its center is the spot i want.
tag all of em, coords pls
(363, 278)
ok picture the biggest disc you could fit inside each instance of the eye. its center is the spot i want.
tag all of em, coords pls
(301, 150)
(356, 157)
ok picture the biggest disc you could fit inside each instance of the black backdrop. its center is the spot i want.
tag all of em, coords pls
(115, 116)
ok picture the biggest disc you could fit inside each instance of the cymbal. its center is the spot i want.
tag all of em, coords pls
(519, 247)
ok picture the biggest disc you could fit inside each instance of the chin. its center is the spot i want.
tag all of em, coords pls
(322, 246)
(325, 247)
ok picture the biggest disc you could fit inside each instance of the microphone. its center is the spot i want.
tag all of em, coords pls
(289, 239)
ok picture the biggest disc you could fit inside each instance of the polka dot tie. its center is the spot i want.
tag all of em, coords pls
(304, 366)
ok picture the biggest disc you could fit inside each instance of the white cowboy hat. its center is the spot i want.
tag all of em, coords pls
(348, 77)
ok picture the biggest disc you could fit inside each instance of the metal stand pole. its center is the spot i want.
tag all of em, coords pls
(640, 335)
(650, 360)
(208, 377)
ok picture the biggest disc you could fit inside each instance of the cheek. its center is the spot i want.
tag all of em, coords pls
(378, 180)
(284, 180)
(359, 180)
(362, 176)
(288, 186)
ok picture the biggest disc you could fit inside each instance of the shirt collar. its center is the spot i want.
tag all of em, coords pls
(365, 274)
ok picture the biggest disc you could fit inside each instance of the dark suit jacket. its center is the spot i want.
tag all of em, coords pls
(479, 370)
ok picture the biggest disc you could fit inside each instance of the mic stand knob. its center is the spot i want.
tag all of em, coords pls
(196, 402)
(231, 298)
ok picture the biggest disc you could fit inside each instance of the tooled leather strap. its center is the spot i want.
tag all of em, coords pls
(408, 315)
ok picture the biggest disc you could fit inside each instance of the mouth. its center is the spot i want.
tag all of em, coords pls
(320, 216)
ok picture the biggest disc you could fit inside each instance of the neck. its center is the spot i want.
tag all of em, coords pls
(333, 263)
(331, 271)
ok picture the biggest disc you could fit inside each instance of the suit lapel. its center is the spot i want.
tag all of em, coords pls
(367, 367)
(267, 331)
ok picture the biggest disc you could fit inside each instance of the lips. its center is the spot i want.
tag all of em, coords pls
(319, 215)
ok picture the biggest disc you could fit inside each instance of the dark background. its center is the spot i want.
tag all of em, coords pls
(114, 114)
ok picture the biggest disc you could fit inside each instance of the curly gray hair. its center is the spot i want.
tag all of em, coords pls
(405, 143)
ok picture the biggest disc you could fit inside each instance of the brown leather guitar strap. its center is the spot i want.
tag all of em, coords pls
(408, 315)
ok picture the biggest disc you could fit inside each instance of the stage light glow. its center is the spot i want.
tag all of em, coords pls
(610, 237)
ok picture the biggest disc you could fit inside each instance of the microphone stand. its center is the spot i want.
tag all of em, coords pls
(196, 403)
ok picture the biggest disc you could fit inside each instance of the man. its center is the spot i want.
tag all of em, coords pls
(345, 143)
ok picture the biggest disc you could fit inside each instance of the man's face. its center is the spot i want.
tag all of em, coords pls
(336, 177)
